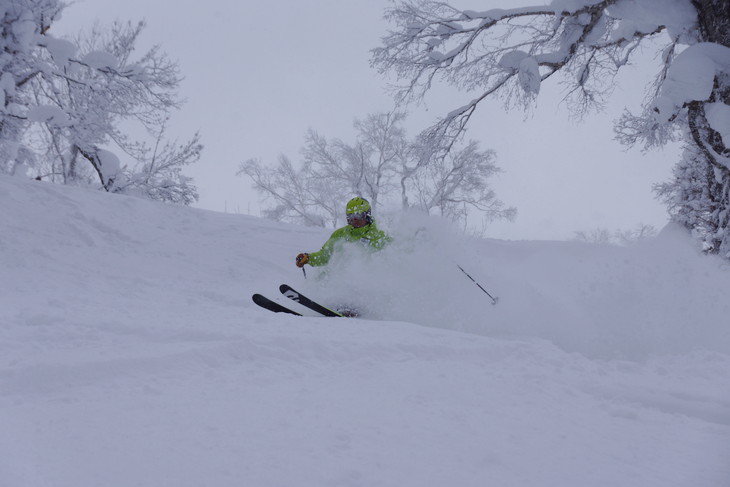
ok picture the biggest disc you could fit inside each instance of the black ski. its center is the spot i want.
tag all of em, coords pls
(298, 297)
(266, 303)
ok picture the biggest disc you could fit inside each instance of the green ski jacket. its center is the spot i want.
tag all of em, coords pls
(369, 235)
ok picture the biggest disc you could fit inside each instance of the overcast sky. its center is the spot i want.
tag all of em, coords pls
(258, 74)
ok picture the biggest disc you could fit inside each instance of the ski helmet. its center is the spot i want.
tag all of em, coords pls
(358, 212)
(357, 205)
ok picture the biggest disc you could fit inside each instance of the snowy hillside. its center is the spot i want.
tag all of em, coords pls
(132, 355)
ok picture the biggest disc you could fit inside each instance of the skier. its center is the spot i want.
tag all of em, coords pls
(360, 229)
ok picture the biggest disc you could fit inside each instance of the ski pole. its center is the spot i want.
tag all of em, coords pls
(494, 300)
(305, 272)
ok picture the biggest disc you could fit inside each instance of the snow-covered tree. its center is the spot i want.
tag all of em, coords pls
(510, 52)
(617, 237)
(158, 172)
(66, 102)
(382, 164)
(333, 171)
(21, 23)
(697, 199)
(297, 195)
(457, 182)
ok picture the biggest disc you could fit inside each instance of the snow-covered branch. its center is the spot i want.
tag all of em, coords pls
(509, 53)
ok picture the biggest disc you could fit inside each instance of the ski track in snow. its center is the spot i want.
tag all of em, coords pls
(131, 354)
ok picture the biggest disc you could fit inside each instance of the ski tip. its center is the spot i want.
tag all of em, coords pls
(266, 303)
(284, 287)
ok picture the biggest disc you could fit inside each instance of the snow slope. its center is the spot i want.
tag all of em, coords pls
(131, 355)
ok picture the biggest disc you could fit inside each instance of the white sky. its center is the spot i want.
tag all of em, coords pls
(259, 74)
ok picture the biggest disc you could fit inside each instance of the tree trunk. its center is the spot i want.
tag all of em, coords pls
(713, 17)
(93, 158)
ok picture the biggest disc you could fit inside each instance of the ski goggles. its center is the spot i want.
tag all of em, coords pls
(357, 220)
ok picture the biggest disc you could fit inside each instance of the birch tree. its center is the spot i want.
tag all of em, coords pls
(453, 185)
(383, 164)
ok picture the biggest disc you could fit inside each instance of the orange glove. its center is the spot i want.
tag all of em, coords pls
(302, 259)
